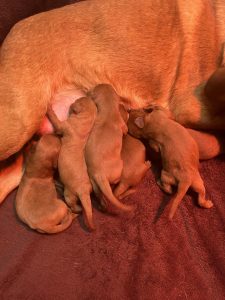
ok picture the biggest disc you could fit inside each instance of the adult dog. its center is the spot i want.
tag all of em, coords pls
(150, 51)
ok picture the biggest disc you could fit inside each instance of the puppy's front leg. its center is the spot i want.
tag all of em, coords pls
(57, 124)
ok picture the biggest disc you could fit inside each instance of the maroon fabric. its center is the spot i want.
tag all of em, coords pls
(132, 256)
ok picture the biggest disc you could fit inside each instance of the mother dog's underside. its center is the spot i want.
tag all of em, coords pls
(150, 51)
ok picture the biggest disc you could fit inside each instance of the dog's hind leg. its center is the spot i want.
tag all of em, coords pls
(127, 193)
(104, 186)
(181, 191)
(87, 210)
(198, 187)
(121, 188)
(10, 177)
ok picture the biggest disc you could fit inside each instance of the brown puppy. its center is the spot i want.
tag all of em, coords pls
(87, 43)
(103, 148)
(179, 153)
(134, 166)
(71, 162)
(36, 201)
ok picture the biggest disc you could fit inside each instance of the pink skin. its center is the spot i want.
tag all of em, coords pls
(60, 104)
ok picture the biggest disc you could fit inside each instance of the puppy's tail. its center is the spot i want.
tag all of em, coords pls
(103, 184)
(181, 191)
(86, 204)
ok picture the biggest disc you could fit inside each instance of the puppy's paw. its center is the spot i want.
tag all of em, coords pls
(206, 204)
(167, 188)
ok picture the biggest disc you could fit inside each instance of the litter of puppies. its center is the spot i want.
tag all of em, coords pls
(93, 152)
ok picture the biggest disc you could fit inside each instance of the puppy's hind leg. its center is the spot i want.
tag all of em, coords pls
(166, 181)
(127, 193)
(87, 210)
(181, 191)
(72, 201)
(198, 187)
(104, 186)
(121, 188)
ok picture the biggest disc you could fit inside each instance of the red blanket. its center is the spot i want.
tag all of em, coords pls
(135, 256)
(140, 255)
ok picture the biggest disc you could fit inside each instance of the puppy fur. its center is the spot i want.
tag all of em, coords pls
(135, 166)
(104, 145)
(179, 153)
(71, 162)
(36, 201)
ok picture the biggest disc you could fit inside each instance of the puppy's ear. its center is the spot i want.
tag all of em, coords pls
(139, 121)
(74, 109)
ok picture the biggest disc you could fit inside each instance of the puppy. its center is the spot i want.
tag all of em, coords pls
(179, 153)
(134, 166)
(71, 162)
(36, 201)
(104, 145)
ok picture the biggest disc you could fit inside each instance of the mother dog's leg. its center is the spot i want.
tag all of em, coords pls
(10, 176)
(21, 111)
(20, 114)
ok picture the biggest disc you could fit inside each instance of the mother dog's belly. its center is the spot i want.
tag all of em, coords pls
(60, 103)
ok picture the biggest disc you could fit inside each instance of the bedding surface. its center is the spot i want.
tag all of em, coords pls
(138, 255)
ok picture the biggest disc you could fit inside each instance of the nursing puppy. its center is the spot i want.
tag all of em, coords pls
(90, 44)
(71, 162)
(135, 166)
(179, 153)
(104, 145)
(36, 202)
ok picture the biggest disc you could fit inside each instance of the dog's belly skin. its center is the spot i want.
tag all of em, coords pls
(60, 102)
(161, 54)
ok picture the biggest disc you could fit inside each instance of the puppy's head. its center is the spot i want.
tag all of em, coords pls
(140, 120)
(104, 94)
(81, 105)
